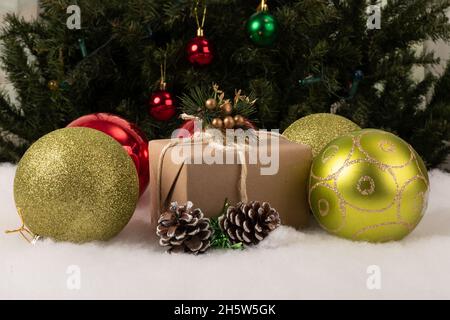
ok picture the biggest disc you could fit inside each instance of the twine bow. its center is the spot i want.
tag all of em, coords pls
(200, 138)
(29, 236)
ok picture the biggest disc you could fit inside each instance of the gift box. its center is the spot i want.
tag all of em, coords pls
(273, 169)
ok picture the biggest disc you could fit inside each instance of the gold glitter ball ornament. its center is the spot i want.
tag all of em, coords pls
(76, 184)
(368, 185)
(317, 130)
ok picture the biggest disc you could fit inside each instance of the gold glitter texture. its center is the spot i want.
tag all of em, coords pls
(317, 130)
(374, 184)
(76, 184)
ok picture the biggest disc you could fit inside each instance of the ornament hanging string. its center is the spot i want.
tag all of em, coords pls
(24, 231)
(163, 83)
(200, 25)
(263, 6)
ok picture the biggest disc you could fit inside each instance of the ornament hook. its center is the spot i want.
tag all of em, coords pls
(201, 24)
(162, 82)
(263, 6)
(29, 236)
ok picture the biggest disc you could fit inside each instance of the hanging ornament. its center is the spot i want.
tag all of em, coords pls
(53, 85)
(131, 138)
(162, 106)
(199, 49)
(262, 26)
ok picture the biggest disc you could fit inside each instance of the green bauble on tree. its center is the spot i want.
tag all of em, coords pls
(262, 26)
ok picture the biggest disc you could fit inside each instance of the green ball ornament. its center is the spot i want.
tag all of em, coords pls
(368, 185)
(76, 184)
(317, 130)
(262, 28)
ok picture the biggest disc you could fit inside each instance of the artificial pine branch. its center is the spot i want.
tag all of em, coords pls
(329, 38)
(193, 103)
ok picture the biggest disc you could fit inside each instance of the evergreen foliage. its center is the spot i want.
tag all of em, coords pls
(326, 39)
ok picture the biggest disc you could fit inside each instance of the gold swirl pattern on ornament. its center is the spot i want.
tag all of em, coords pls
(324, 211)
(419, 167)
(360, 148)
(381, 167)
(335, 151)
(334, 175)
(383, 224)
(386, 146)
(342, 208)
(402, 189)
(366, 191)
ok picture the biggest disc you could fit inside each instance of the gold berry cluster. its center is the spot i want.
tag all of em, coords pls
(226, 121)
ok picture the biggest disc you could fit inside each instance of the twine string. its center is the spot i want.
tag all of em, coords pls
(200, 139)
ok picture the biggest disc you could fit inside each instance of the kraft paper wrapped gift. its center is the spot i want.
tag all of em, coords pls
(208, 185)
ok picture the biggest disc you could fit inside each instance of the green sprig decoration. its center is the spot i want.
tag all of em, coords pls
(220, 239)
(193, 103)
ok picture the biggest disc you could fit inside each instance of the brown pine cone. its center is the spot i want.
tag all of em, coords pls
(182, 228)
(249, 222)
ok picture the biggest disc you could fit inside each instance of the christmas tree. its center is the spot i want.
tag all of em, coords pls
(329, 56)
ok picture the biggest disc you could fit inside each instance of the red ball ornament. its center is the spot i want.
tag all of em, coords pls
(199, 51)
(162, 105)
(127, 134)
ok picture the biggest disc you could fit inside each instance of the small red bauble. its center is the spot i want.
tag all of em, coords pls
(187, 129)
(162, 105)
(199, 51)
(131, 138)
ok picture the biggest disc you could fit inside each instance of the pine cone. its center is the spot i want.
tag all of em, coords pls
(182, 228)
(249, 223)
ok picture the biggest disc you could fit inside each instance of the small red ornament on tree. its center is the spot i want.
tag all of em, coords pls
(199, 49)
(162, 104)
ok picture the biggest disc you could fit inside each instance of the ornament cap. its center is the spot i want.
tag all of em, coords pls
(162, 85)
(200, 32)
